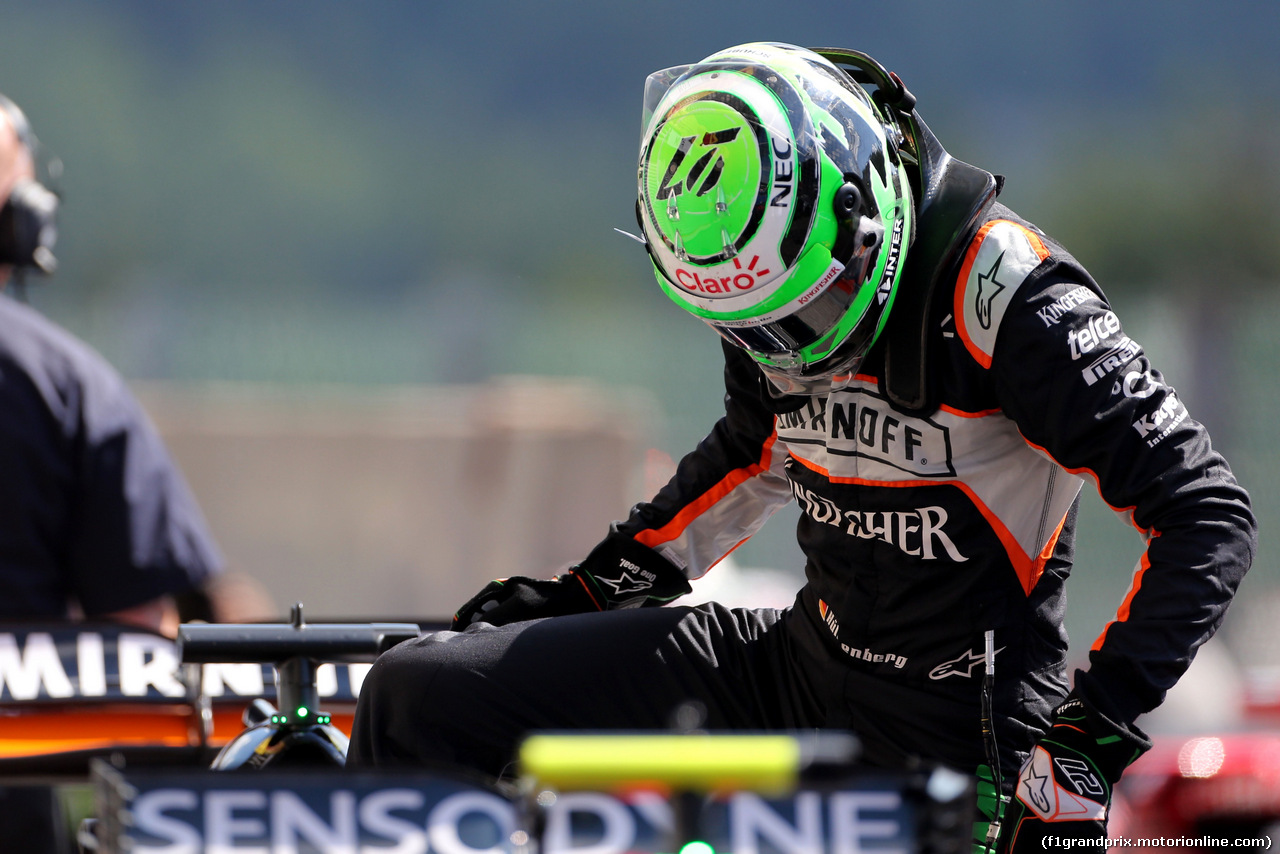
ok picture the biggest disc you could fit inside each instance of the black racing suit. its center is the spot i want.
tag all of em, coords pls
(921, 533)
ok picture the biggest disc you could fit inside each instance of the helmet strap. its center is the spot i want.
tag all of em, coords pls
(888, 91)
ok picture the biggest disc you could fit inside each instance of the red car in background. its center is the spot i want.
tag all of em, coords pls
(1212, 788)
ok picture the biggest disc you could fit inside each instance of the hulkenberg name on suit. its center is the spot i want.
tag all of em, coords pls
(864, 654)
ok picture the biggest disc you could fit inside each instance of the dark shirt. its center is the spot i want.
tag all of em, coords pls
(92, 508)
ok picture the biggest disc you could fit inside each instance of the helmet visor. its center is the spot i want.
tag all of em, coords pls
(817, 315)
(831, 374)
(803, 328)
(818, 348)
(786, 385)
(656, 85)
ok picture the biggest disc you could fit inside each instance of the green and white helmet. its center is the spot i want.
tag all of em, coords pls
(775, 207)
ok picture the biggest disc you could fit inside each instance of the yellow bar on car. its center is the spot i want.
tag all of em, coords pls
(693, 763)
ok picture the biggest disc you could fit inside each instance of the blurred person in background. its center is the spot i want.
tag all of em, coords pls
(933, 379)
(96, 521)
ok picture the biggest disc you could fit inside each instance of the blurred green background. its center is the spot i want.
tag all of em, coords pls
(385, 193)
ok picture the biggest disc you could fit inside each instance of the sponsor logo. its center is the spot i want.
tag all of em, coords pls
(706, 169)
(225, 818)
(1096, 330)
(340, 815)
(1112, 360)
(918, 533)
(861, 424)
(988, 290)
(829, 617)
(891, 265)
(33, 668)
(75, 664)
(820, 286)
(962, 666)
(742, 279)
(783, 173)
(1074, 706)
(1053, 312)
(1137, 384)
(1155, 427)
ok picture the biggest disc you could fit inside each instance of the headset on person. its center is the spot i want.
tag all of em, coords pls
(28, 220)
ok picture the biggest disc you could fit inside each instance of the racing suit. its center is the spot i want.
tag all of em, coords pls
(921, 531)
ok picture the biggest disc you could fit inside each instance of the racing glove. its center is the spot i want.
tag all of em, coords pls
(618, 573)
(1064, 788)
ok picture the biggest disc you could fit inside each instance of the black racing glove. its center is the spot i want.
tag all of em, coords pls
(619, 573)
(1064, 788)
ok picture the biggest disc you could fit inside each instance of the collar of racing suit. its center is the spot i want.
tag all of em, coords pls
(952, 201)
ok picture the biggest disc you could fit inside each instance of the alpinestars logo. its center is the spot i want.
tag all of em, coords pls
(962, 666)
(632, 580)
(988, 290)
(1039, 789)
(703, 168)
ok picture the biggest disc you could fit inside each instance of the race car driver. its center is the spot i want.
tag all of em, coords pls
(933, 379)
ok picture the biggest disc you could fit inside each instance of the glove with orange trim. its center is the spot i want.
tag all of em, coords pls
(1064, 787)
(619, 573)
